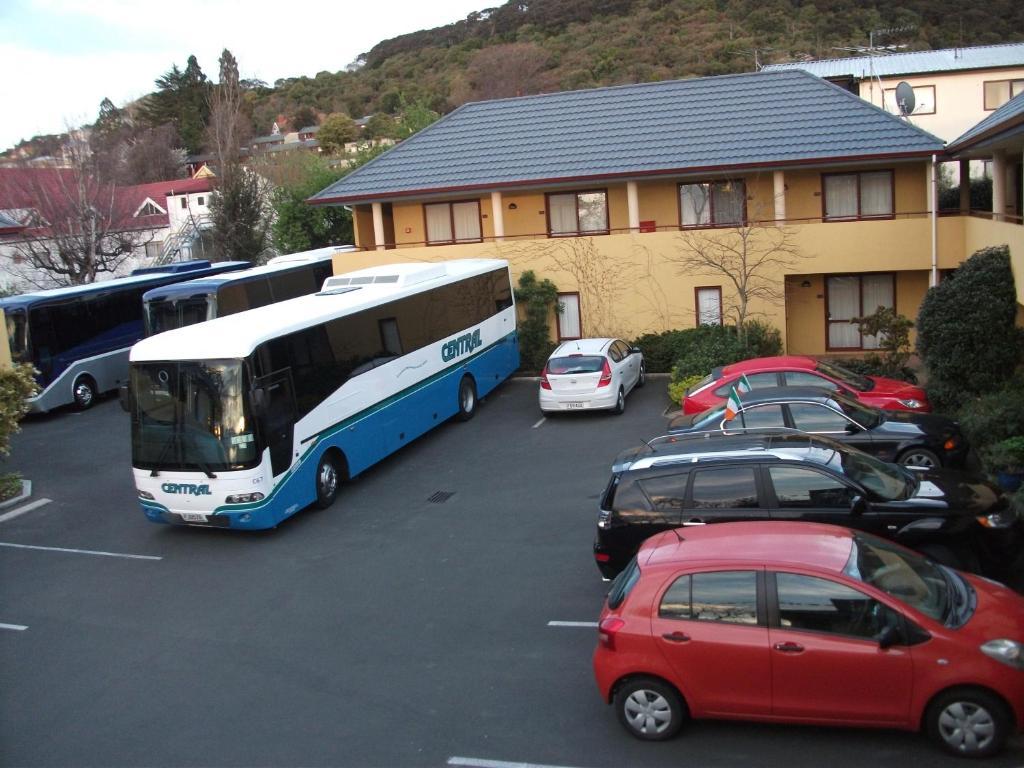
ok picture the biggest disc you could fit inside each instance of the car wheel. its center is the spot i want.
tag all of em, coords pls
(642, 378)
(84, 392)
(650, 709)
(467, 399)
(968, 722)
(328, 477)
(920, 457)
(620, 403)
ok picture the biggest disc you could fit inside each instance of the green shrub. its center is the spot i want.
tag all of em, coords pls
(660, 349)
(695, 346)
(966, 331)
(762, 339)
(537, 298)
(987, 419)
(677, 389)
(893, 333)
(874, 365)
(16, 384)
(1006, 455)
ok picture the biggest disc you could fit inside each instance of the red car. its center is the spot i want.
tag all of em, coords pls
(794, 371)
(813, 624)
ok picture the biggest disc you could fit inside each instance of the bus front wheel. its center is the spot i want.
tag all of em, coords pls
(467, 399)
(84, 392)
(328, 477)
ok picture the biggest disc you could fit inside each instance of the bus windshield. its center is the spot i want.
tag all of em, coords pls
(192, 416)
(167, 315)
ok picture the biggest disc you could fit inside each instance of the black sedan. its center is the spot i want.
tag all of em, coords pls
(905, 437)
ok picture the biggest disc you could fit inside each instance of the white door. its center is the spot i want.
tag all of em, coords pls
(569, 326)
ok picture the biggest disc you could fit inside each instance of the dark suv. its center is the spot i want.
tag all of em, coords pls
(956, 519)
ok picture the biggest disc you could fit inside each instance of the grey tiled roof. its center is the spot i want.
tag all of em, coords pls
(268, 139)
(1011, 114)
(675, 127)
(917, 62)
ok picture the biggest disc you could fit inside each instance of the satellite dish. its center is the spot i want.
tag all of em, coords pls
(905, 98)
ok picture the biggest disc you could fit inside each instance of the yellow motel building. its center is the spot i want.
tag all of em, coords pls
(647, 204)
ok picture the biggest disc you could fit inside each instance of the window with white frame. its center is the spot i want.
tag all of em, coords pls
(713, 204)
(453, 222)
(866, 195)
(149, 209)
(578, 213)
(851, 296)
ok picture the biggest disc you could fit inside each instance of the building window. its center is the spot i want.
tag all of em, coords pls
(149, 209)
(709, 305)
(569, 325)
(201, 201)
(924, 101)
(578, 213)
(154, 249)
(998, 92)
(713, 204)
(850, 296)
(449, 223)
(851, 196)
(184, 202)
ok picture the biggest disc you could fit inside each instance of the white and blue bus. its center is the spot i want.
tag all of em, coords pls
(202, 299)
(242, 421)
(78, 337)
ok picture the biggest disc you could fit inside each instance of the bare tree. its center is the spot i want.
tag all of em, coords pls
(78, 226)
(240, 204)
(752, 257)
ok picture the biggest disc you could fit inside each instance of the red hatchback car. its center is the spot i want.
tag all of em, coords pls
(794, 371)
(813, 624)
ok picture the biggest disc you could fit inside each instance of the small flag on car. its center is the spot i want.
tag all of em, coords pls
(732, 405)
(743, 385)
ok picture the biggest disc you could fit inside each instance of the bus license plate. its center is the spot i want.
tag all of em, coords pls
(574, 405)
(193, 517)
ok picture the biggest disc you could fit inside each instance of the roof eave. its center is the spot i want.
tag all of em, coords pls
(533, 183)
(1002, 127)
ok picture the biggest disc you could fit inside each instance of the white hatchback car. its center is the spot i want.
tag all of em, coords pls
(592, 374)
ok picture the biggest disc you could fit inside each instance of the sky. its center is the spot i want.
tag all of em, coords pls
(61, 58)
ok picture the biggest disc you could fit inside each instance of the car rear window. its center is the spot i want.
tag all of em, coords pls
(623, 584)
(576, 364)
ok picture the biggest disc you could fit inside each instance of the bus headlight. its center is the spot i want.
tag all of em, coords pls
(243, 498)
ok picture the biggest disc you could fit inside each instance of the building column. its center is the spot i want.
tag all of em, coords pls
(378, 226)
(633, 204)
(779, 182)
(497, 216)
(965, 187)
(998, 184)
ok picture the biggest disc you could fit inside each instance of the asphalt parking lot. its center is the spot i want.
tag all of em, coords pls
(439, 614)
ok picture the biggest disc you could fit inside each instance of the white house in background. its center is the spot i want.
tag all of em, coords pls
(167, 219)
(954, 88)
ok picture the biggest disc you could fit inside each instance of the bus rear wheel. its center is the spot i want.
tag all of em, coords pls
(328, 477)
(467, 399)
(84, 392)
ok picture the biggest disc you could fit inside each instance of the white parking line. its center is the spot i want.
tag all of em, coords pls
(80, 551)
(477, 762)
(23, 509)
(542, 420)
(587, 624)
(15, 627)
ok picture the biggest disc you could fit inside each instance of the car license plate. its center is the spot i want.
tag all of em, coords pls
(574, 405)
(193, 517)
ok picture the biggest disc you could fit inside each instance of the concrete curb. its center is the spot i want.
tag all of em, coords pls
(26, 492)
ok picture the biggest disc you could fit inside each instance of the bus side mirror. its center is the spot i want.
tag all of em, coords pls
(858, 506)
(259, 401)
(125, 398)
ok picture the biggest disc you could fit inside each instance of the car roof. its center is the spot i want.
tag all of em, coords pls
(582, 347)
(753, 445)
(777, 363)
(815, 545)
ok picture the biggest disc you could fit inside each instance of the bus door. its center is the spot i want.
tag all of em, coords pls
(275, 411)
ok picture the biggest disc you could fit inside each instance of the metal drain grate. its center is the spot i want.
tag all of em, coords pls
(441, 497)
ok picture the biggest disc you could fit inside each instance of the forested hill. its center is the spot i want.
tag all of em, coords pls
(530, 46)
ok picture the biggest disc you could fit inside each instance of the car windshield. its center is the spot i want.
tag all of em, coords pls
(862, 414)
(906, 576)
(888, 481)
(576, 364)
(851, 379)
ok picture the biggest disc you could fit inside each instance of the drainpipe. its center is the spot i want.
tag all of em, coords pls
(497, 216)
(633, 206)
(378, 226)
(933, 210)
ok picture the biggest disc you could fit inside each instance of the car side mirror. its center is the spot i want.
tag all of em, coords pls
(634, 350)
(858, 505)
(851, 428)
(889, 636)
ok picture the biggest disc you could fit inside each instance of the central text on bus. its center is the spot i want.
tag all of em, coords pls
(187, 489)
(463, 345)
